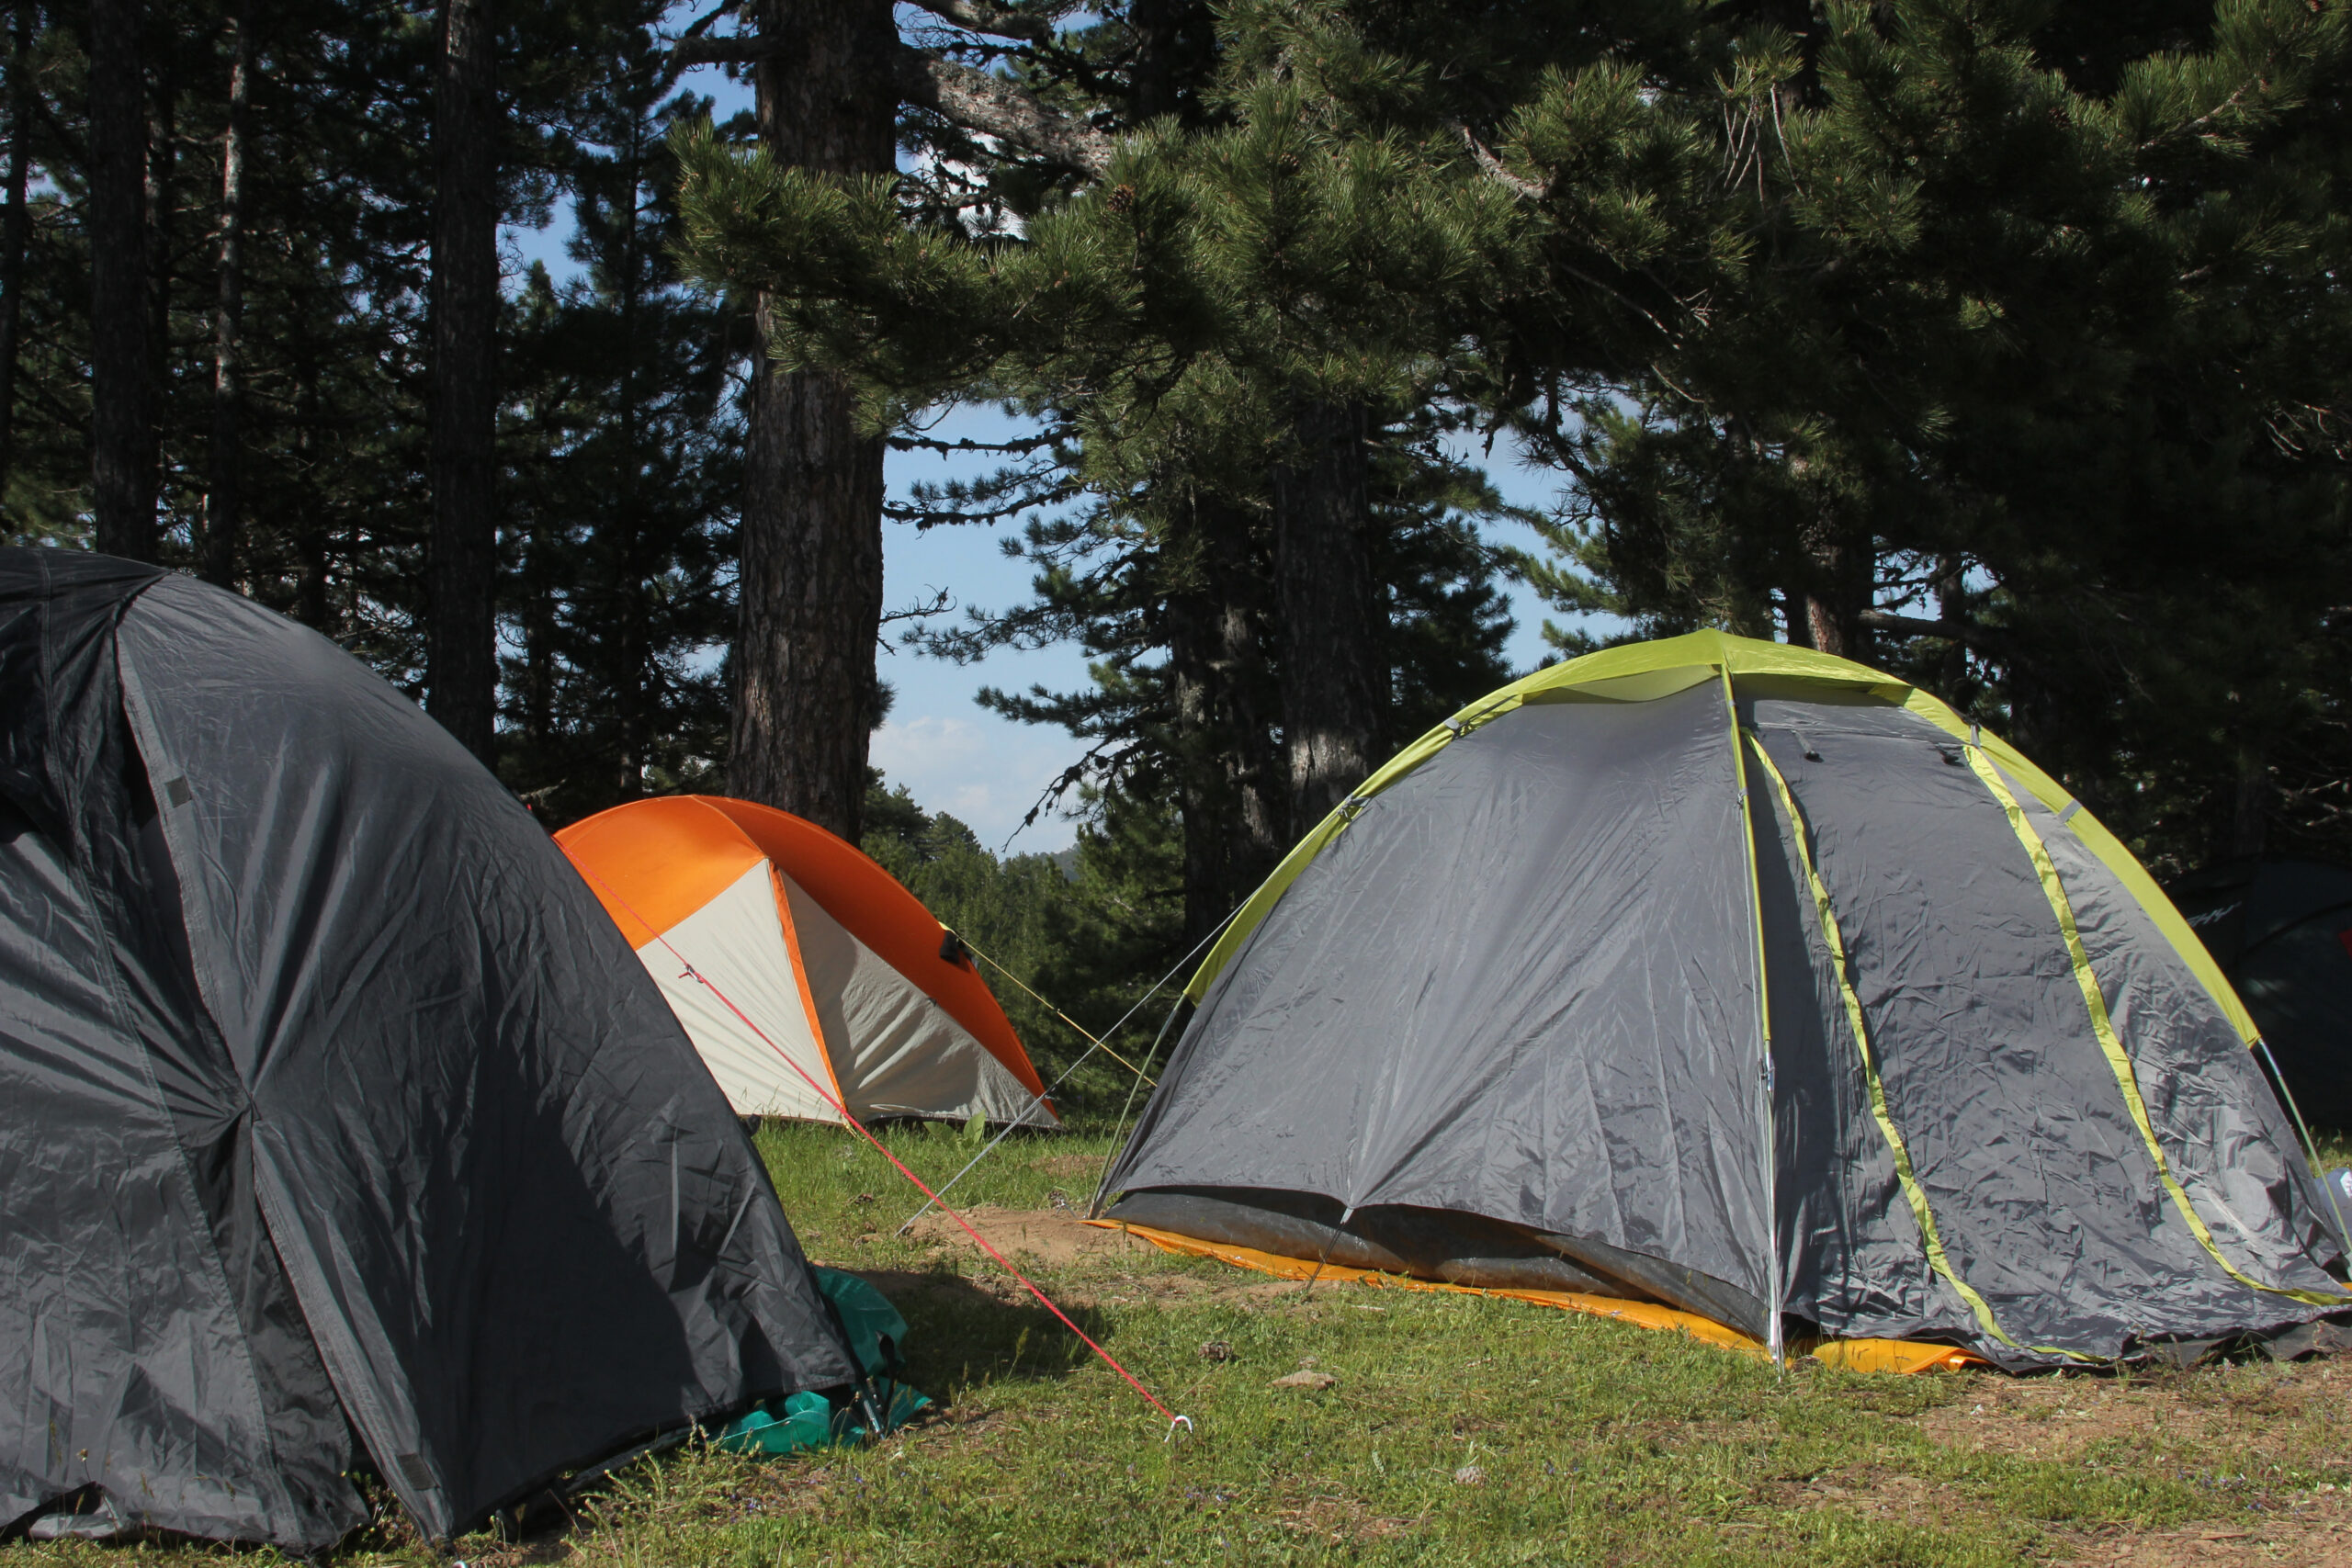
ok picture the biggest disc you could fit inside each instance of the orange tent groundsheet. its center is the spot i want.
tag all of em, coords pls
(1900, 1355)
(783, 947)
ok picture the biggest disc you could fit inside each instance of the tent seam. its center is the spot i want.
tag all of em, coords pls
(134, 720)
(1931, 1238)
(2119, 1061)
(1776, 1274)
(800, 973)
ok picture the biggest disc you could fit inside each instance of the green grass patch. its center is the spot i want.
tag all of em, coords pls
(1458, 1430)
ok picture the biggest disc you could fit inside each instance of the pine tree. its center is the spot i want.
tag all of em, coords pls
(1223, 334)
(625, 453)
(2021, 390)
(833, 78)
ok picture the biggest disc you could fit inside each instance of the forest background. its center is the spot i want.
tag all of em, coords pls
(2005, 345)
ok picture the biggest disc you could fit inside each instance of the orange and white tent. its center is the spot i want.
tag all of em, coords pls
(835, 964)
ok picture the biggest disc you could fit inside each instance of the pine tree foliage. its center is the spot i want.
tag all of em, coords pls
(1998, 341)
(626, 459)
(2029, 389)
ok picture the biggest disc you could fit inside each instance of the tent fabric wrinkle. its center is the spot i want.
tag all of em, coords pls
(1499, 902)
(2227, 1137)
(907, 1054)
(1825, 934)
(1825, 1018)
(339, 1121)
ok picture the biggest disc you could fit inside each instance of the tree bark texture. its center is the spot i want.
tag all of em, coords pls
(461, 632)
(636, 650)
(163, 247)
(122, 390)
(1332, 678)
(1233, 809)
(313, 603)
(14, 227)
(224, 494)
(2250, 802)
(1840, 593)
(811, 532)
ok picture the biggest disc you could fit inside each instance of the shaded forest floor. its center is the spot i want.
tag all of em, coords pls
(1455, 1429)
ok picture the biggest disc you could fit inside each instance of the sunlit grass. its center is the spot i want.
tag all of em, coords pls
(1459, 1429)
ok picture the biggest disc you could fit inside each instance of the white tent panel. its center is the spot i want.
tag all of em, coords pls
(737, 939)
(896, 1051)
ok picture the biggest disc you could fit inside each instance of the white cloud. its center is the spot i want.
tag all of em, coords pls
(985, 770)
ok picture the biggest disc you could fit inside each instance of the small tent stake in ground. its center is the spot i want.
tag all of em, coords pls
(337, 1122)
(827, 957)
(1752, 982)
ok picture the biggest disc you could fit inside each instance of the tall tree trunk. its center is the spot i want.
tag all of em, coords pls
(1826, 626)
(313, 545)
(1840, 590)
(1232, 812)
(2250, 803)
(1175, 44)
(1332, 678)
(162, 254)
(224, 495)
(14, 227)
(636, 617)
(1951, 609)
(461, 635)
(122, 392)
(811, 532)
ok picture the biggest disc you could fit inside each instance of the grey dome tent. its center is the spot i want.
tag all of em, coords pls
(1750, 983)
(337, 1122)
(2281, 929)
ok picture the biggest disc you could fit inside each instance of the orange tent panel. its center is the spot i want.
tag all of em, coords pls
(654, 862)
(876, 909)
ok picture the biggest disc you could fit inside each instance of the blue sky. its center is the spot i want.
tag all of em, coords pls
(957, 757)
(951, 754)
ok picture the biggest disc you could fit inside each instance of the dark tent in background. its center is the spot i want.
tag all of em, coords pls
(333, 1110)
(2282, 931)
(1723, 979)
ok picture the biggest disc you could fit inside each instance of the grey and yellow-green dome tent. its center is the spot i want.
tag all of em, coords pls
(1720, 983)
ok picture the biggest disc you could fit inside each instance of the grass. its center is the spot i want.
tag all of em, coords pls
(1458, 1430)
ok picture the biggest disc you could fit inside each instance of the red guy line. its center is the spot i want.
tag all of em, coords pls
(1109, 1360)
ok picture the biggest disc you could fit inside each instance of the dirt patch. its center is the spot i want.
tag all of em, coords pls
(2301, 1540)
(2304, 1531)
(1053, 1240)
(2059, 1418)
(1053, 1237)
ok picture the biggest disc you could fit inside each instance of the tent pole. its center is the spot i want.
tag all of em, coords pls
(1775, 1286)
(2311, 1146)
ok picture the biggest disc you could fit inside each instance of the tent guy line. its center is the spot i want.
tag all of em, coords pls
(1174, 1420)
(1093, 1045)
(1141, 1077)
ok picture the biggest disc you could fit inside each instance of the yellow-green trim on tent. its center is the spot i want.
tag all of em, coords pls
(1774, 1259)
(2108, 849)
(1931, 1239)
(1641, 672)
(2118, 1060)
